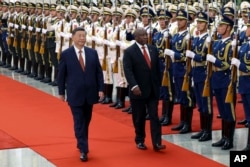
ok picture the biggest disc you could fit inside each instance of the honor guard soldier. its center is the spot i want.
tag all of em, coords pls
(10, 39)
(31, 40)
(59, 29)
(113, 35)
(70, 26)
(198, 54)
(122, 85)
(91, 29)
(50, 44)
(38, 65)
(177, 53)
(166, 92)
(83, 16)
(173, 22)
(243, 65)
(44, 51)
(4, 34)
(220, 79)
(24, 38)
(1, 42)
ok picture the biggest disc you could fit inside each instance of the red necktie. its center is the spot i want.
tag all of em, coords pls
(81, 60)
(145, 54)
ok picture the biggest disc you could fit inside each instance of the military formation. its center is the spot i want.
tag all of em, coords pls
(204, 51)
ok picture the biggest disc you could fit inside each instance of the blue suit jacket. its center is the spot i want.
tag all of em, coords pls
(80, 85)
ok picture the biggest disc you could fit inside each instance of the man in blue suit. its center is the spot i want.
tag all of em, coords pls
(80, 74)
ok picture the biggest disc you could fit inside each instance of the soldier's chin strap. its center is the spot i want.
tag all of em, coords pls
(224, 31)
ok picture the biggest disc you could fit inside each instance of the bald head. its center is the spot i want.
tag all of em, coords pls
(141, 36)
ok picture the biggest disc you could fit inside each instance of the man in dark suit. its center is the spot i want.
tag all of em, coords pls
(141, 67)
(80, 74)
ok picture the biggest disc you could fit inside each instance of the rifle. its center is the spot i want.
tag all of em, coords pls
(150, 27)
(165, 79)
(104, 61)
(186, 84)
(71, 24)
(61, 38)
(30, 34)
(43, 38)
(36, 47)
(115, 70)
(230, 89)
(207, 86)
(15, 30)
(24, 21)
(9, 40)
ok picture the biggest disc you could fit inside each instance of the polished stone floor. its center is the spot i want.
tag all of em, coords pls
(27, 158)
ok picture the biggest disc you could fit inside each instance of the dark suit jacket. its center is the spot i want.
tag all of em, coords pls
(138, 73)
(79, 85)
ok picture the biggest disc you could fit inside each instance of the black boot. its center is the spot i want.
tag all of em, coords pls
(109, 91)
(126, 109)
(188, 120)
(223, 138)
(118, 91)
(21, 65)
(247, 148)
(41, 72)
(167, 119)
(229, 135)
(122, 95)
(163, 111)
(54, 83)
(48, 71)
(207, 135)
(4, 59)
(182, 116)
(202, 121)
(34, 70)
(28, 68)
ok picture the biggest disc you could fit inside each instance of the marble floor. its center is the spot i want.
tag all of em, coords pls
(25, 157)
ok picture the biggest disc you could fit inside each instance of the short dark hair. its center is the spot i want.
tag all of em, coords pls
(77, 29)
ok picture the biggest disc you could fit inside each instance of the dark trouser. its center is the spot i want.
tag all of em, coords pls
(82, 117)
(139, 112)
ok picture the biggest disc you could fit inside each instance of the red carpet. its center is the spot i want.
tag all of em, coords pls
(44, 123)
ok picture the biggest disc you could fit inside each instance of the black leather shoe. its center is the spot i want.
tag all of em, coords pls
(46, 80)
(166, 121)
(197, 135)
(219, 143)
(141, 146)
(242, 122)
(218, 116)
(130, 111)
(120, 105)
(246, 125)
(147, 117)
(126, 109)
(159, 147)
(227, 145)
(113, 104)
(178, 127)
(84, 157)
(205, 136)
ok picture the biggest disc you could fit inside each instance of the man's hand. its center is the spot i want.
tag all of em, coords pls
(137, 91)
(62, 97)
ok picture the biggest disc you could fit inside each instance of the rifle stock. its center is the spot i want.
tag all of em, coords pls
(115, 69)
(206, 89)
(186, 84)
(230, 89)
(9, 40)
(43, 39)
(36, 47)
(15, 33)
(93, 34)
(165, 78)
(104, 61)
(30, 35)
(23, 34)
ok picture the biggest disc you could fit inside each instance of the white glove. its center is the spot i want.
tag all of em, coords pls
(112, 45)
(44, 31)
(99, 41)
(94, 38)
(23, 26)
(123, 46)
(118, 43)
(106, 42)
(235, 62)
(166, 34)
(11, 24)
(208, 41)
(38, 29)
(190, 54)
(16, 26)
(169, 52)
(211, 58)
(233, 43)
(30, 28)
(89, 39)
